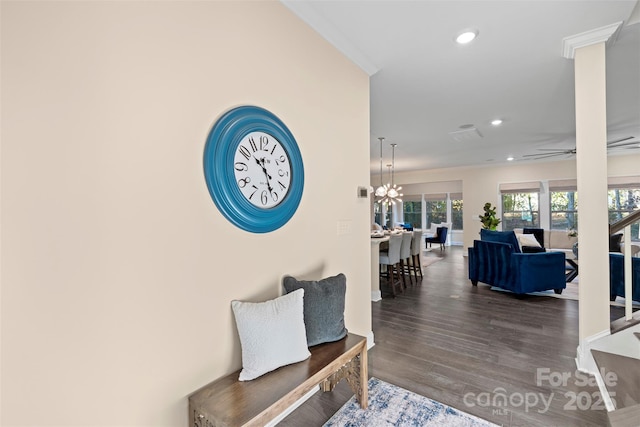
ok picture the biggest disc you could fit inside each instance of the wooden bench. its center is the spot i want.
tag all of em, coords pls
(229, 402)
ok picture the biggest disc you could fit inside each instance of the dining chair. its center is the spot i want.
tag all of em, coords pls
(391, 258)
(405, 256)
(415, 254)
(440, 237)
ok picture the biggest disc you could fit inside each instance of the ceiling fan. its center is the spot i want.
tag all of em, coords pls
(624, 143)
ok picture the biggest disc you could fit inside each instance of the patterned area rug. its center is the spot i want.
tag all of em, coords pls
(390, 405)
(427, 261)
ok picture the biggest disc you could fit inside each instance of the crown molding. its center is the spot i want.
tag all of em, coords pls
(307, 13)
(608, 33)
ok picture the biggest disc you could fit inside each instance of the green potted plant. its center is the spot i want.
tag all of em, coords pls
(489, 219)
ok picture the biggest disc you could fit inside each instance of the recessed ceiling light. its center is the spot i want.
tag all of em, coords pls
(496, 122)
(466, 36)
(510, 158)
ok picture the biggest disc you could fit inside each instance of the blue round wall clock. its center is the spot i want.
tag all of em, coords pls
(253, 169)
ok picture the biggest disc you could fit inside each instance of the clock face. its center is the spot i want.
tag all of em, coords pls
(262, 170)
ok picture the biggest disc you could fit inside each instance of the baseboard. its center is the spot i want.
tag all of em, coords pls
(584, 360)
(293, 407)
(604, 393)
(370, 341)
(376, 296)
(586, 363)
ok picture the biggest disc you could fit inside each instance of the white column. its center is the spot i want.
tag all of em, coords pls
(588, 51)
(591, 165)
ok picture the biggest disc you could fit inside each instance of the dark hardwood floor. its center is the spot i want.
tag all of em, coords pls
(484, 352)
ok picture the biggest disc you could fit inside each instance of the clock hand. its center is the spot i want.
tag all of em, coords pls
(264, 169)
(261, 164)
(268, 178)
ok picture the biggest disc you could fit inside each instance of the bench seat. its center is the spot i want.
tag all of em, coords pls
(229, 402)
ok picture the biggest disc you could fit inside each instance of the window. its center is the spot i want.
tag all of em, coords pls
(381, 216)
(564, 204)
(456, 211)
(520, 205)
(423, 211)
(564, 210)
(520, 210)
(412, 207)
(435, 208)
(623, 201)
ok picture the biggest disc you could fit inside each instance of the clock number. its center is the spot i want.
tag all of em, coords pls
(283, 173)
(264, 143)
(282, 159)
(282, 186)
(252, 142)
(243, 150)
(240, 167)
(263, 197)
(273, 149)
(243, 182)
(254, 191)
(274, 196)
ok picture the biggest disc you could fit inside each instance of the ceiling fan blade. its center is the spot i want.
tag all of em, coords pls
(536, 155)
(552, 151)
(620, 140)
(636, 143)
(542, 156)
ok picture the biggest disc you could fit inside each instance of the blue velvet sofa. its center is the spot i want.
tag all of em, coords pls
(616, 277)
(496, 260)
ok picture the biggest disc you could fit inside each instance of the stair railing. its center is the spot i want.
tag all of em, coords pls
(625, 224)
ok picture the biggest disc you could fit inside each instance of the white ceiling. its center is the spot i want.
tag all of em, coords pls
(424, 85)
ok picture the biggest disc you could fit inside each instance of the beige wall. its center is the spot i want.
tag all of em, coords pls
(117, 268)
(480, 184)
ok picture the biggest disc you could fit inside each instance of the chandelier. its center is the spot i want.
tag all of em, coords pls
(392, 191)
(381, 191)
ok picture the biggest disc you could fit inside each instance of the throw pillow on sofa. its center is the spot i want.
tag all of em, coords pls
(272, 334)
(528, 240)
(323, 307)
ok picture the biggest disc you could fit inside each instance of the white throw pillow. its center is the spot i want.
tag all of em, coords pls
(272, 333)
(528, 240)
(518, 239)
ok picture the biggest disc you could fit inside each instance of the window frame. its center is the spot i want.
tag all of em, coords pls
(414, 214)
(435, 198)
(508, 224)
(623, 212)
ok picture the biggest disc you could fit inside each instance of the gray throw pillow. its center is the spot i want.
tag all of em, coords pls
(323, 307)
